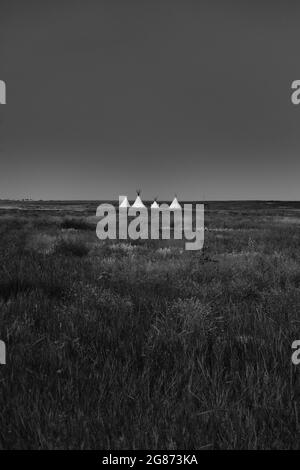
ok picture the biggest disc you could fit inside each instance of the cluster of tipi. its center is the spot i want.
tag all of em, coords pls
(138, 203)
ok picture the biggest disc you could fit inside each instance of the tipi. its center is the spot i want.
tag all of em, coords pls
(125, 202)
(138, 203)
(175, 204)
(154, 204)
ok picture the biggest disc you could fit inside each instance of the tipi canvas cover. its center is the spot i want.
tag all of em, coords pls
(125, 202)
(175, 204)
(138, 203)
(154, 205)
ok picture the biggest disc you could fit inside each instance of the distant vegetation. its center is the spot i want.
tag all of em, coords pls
(114, 345)
(76, 223)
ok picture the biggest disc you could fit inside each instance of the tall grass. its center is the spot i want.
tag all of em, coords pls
(117, 346)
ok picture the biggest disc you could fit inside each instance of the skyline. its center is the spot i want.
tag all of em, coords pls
(173, 97)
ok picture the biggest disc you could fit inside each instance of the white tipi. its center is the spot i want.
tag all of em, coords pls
(138, 203)
(154, 204)
(125, 202)
(175, 204)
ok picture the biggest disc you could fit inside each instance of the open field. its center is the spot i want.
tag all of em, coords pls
(115, 345)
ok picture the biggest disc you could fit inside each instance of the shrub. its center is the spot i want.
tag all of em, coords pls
(77, 224)
(71, 247)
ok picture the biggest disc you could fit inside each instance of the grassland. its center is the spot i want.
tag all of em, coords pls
(125, 346)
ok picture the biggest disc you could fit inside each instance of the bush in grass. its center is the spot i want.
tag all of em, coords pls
(71, 247)
(76, 223)
(42, 243)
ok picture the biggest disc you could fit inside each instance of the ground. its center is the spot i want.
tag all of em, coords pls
(115, 345)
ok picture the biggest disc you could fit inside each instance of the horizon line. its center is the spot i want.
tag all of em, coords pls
(148, 200)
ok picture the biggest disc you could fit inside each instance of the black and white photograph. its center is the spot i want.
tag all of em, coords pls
(149, 228)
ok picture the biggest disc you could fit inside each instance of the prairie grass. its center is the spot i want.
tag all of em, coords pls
(116, 345)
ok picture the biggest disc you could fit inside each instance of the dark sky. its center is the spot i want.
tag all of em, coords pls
(106, 96)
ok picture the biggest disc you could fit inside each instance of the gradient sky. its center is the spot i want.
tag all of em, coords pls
(106, 96)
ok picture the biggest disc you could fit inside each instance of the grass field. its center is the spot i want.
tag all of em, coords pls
(116, 345)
